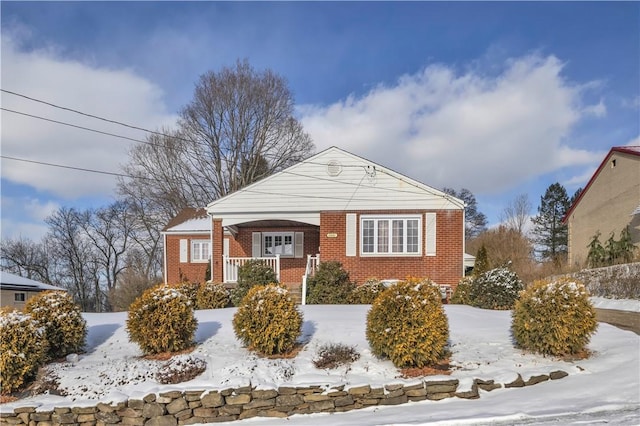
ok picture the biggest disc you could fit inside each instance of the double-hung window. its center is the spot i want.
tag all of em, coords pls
(390, 235)
(200, 250)
(277, 243)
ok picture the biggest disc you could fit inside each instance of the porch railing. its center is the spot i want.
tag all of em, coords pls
(310, 270)
(230, 266)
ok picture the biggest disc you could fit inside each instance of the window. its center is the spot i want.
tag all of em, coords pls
(19, 297)
(277, 243)
(200, 250)
(390, 235)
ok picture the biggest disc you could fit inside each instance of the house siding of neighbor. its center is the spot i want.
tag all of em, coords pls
(609, 203)
(321, 206)
(15, 290)
(187, 246)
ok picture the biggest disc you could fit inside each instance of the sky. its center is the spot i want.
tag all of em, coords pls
(501, 98)
(596, 391)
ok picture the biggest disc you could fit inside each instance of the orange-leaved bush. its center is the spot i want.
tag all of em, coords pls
(554, 317)
(407, 324)
(162, 320)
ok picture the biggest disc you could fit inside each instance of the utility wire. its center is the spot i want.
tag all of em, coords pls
(120, 123)
(24, 160)
(78, 127)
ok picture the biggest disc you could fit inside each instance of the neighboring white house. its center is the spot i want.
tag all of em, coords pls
(16, 290)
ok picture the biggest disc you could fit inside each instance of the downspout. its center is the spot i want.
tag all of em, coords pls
(464, 238)
(211, 244)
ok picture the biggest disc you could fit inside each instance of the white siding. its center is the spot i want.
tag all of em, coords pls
(308, 188)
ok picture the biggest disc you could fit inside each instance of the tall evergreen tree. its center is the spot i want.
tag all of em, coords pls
(550, 234)
(475, 220)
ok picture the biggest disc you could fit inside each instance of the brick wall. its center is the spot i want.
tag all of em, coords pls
(444, 268)
(194, 272)
(291, 269)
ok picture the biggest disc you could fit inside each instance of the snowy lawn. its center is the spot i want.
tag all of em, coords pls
(605, 386)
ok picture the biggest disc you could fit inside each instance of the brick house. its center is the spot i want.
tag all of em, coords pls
(187, 246)
(608, 203)
(332, 206)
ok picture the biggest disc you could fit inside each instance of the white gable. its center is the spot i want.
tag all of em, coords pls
(332, 180)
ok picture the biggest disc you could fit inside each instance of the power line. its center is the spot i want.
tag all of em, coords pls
(24, 160)
(77, 127)
(120, 123)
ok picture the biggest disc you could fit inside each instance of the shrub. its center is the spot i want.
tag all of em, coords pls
(64, 327)
(22, 349)
(554, 317)
(189, 290)
(334, 355)
(366, 293)
(461, 294)
(330, 285)
(267, 320)
(180, 369)
(212, 296)
(162, 320)
(407, 324)
(253, 273)
(495, 289)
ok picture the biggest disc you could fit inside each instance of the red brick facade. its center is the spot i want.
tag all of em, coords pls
(443, 268)
(330, 241)
(176, 270)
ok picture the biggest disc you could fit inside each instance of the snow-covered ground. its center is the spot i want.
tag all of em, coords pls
(605, 387)
(618, 304)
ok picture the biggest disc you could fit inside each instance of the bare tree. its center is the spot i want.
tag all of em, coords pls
(238, 128)
(70, 245)
(516, 214)
(28, 259)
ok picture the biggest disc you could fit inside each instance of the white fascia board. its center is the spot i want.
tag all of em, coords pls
(230, 219)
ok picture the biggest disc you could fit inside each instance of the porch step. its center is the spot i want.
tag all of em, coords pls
(295, 291)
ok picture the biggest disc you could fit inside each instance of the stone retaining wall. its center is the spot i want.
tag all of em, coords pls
(189, 407)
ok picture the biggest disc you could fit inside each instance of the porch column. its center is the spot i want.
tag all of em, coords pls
(217, 242)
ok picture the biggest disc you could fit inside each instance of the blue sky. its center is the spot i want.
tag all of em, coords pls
(502, 98)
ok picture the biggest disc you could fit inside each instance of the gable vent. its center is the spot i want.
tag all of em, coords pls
(334, 168)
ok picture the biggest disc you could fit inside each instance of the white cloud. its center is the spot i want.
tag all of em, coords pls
(598, 110)
(634, 142)
(116, 94)
(485, 133)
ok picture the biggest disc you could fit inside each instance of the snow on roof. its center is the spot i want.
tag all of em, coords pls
(11, 280)
(198, 224)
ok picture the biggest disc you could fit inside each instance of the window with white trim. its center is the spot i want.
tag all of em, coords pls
(200, 250)
(277, 243)
(390, 235)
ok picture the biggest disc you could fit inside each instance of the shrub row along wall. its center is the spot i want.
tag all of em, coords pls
(189, 407)
(618, 281)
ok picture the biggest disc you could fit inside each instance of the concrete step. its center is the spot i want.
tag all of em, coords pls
(295, 291)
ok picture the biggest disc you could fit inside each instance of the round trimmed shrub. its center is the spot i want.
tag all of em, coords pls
(162, 320)
(212, 296)
(254, 272)
(554, 317)
(461, 293)
(189, 290)
(496, 289)
(22, 349)
(407, 324)
(64, 327)
(268, 320)
(330, 285)
(366, 293)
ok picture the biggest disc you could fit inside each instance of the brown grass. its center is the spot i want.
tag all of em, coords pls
(441, 368)
(164, 356)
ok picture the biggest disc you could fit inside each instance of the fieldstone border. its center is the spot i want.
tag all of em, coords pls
(188, 407)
